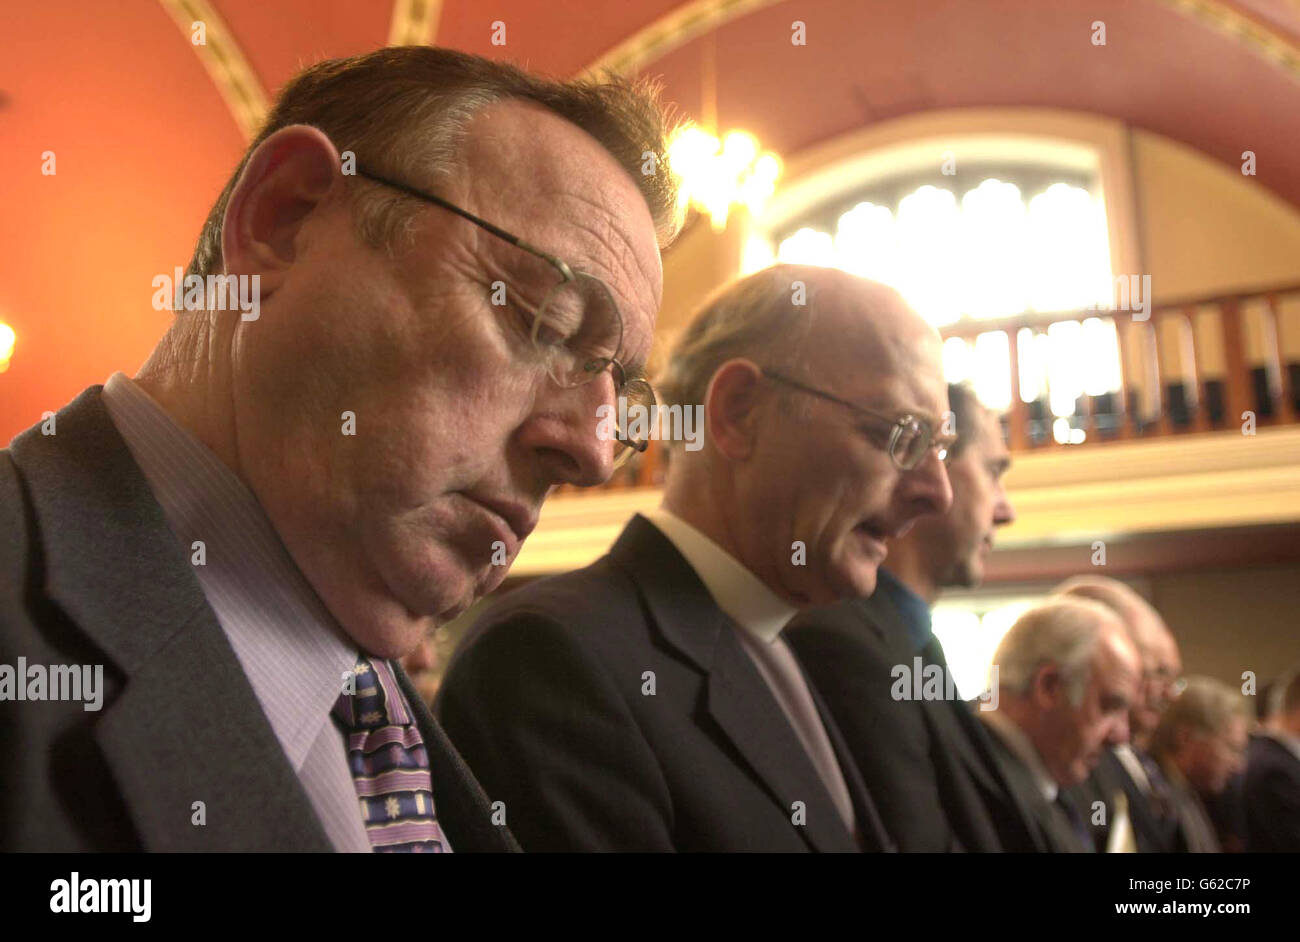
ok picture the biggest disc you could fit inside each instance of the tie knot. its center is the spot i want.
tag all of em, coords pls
(371, 698)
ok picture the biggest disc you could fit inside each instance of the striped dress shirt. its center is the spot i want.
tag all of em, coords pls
(290, 647)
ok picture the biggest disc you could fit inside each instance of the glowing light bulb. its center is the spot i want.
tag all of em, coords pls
(7, 339)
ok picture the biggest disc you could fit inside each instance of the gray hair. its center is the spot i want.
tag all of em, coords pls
(765, 317)
(1204, 708)
(404, 111)
(1064, 632)
(1137, 614)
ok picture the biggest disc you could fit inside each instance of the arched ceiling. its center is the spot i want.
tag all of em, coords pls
(144, 130)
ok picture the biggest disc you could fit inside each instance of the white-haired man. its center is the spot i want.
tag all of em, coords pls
(1067, 677)
(1144, 813)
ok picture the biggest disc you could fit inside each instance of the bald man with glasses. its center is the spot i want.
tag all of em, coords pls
(650, 702)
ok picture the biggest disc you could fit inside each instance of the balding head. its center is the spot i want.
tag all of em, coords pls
(803, 373)
(1161, 663)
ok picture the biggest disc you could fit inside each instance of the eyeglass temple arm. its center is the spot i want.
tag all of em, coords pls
(559, 264)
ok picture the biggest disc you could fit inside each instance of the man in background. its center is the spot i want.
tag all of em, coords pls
(1068, 675)
(650, 701)
(1200, 743)
(1137, 815)
(927, 761)
(1271, 789)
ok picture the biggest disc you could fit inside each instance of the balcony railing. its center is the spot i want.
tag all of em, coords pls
(1080, 379)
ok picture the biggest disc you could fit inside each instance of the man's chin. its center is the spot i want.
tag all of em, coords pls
(384, 627)
(856, 581)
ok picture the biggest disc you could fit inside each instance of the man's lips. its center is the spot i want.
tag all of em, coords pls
(881, 533)
(520, 518)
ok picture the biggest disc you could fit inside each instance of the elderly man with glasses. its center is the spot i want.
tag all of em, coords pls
(247, 536)
(649, 701)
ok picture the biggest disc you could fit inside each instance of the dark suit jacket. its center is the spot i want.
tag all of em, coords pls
(1155, 828)
(90, 573)
(548, 700)
(1053, 829)
(1272, 797)
(927, 762)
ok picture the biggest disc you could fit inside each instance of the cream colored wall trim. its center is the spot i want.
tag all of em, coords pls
(1080, 141)
(1220, 479)
(1261, 39)
(414, 23)
(574, 531)
(673, 29)
(1217, 479)
(224, 61)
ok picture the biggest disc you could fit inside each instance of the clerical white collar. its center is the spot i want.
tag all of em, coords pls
(1018, 742)
(738, 592)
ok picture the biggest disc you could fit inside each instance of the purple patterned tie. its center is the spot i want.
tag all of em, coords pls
(390, 767)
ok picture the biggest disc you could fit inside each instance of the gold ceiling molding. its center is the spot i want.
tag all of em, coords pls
(415, 22)
(224, 61)
(671, 30)
(1276, 47)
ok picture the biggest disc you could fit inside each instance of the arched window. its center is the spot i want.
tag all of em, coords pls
(1002, 239)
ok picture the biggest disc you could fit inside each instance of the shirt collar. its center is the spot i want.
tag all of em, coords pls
(910, 606)
(1023, 748)
(290, 647)
(744, 597)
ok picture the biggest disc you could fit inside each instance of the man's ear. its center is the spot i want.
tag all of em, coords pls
(287, 177)
(1048, 687)
(730, 408)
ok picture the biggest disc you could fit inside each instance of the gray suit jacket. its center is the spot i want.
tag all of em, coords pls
(90, 573)
(1055, 833)
(547, 698)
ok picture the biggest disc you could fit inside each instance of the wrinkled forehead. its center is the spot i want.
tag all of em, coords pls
(541, 168)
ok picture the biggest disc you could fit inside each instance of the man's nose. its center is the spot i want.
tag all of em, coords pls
(1003, 513)
(572, 432)
(1119, 732)
(925, 488)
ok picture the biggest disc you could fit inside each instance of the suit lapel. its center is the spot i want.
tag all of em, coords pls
(737, 697)
(872, 834)
(186, 726)
(945, 723)
(960, 729)
(1042, 820)
(463, 809)
(746, 711)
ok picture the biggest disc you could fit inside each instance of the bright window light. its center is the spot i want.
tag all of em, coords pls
(990, 252)
(970, 636)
